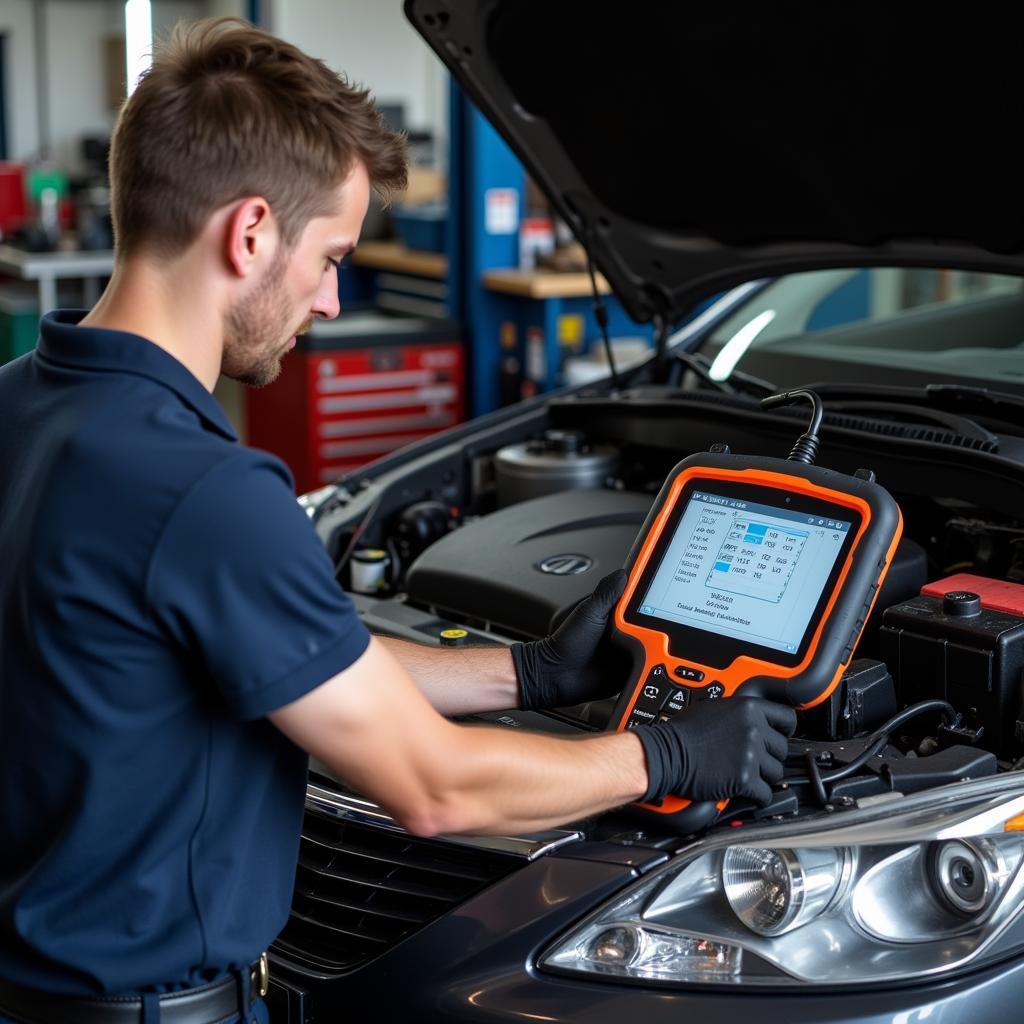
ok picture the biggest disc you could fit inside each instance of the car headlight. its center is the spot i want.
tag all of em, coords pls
(775, 890)
(920, 885)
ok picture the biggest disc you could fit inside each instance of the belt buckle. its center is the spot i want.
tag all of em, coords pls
(261, 975)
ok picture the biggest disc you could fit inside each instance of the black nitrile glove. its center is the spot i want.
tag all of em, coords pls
(718, 749)
(578, 661)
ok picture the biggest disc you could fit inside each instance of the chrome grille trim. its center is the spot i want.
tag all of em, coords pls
(330, 803)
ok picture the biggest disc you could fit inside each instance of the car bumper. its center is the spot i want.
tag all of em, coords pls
(475, 964)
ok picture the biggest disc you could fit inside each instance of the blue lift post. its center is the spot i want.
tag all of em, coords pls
(497, 325)
(479, 162)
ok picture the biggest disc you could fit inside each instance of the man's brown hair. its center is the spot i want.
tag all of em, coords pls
(227, 111)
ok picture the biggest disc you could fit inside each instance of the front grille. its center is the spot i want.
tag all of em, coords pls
(360, 890)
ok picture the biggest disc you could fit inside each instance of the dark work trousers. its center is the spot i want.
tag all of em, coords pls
(258, 1014)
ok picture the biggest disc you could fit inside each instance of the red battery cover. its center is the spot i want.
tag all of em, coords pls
(996, 595)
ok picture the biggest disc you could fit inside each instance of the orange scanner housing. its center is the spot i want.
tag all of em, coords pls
(675, 663)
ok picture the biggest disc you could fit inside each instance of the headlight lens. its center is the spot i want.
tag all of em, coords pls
(967, 875)
(775, 890)
(650, 952)
(882, 894)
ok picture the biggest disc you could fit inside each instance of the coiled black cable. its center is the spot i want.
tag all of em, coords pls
(876, 741)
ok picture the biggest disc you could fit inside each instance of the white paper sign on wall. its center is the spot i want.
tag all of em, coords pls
(501, 211)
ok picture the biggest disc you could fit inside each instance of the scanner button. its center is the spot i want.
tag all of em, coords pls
(713, 691)
(654, 690)
(693, 674)
(678, 699)
(640, 716)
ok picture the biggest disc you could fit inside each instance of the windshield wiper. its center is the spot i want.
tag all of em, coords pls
(736, 382)
(997, 410)
(969, 398)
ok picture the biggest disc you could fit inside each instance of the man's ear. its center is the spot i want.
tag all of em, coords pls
(250, 237)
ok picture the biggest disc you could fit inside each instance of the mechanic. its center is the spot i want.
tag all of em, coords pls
(172, 638)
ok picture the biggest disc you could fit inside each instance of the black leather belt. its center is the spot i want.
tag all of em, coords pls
(205, 1005)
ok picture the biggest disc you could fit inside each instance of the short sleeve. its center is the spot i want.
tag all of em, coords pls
(240, 579)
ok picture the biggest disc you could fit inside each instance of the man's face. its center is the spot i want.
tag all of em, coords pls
(300, 285)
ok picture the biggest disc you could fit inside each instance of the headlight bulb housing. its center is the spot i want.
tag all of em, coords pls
(966, 875)
(773, 890)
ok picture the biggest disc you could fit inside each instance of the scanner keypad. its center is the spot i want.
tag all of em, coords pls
(659, 699)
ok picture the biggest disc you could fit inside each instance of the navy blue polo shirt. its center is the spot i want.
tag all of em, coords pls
(161, 591)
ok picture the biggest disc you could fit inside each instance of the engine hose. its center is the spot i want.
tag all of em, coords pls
(876, 741)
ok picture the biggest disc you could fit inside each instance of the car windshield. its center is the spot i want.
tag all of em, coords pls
(882, 325)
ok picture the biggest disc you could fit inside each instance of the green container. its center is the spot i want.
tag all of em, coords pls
(41, 178)
(19, 320)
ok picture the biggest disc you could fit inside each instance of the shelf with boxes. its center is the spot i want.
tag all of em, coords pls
(548, 333)
(392, 276)
(408, 273)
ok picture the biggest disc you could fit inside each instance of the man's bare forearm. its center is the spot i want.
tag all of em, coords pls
(499, 780)
(375, 729)
(459, 680)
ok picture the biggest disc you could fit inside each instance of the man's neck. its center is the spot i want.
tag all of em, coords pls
(170, 305)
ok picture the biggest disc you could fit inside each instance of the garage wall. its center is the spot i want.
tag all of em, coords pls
(368, 39)
(19, 84)
(76, 84)
(75, 92)
(371, 41)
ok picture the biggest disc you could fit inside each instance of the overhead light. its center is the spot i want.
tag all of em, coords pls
(138, 40)
(732, 351)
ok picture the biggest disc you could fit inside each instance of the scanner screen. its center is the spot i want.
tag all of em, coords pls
(744, 570)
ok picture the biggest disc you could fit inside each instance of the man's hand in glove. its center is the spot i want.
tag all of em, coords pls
(577, 662)
(718, 749)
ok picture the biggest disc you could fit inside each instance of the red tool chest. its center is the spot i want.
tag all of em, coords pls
(356, 388)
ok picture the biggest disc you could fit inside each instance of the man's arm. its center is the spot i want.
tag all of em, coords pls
(458, 680)
(576, 663)
(373, 726)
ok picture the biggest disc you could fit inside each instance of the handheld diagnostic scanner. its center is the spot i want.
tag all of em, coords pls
(751, 576)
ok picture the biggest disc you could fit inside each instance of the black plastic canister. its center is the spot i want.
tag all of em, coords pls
(955, 649)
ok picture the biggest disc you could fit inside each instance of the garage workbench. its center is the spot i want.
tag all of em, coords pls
(47, 268)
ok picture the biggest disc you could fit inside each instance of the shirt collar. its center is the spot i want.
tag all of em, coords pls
(98, 348)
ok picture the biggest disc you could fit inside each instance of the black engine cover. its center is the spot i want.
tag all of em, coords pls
(522, 569)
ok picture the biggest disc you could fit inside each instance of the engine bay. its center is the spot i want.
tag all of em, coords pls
(495, 536)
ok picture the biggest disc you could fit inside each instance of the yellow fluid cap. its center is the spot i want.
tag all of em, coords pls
(370, 554)
(451, 637)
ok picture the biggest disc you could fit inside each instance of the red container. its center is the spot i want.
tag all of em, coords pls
(13, 205)
(355, 389)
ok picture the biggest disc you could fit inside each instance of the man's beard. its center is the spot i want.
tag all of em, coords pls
(257, 330)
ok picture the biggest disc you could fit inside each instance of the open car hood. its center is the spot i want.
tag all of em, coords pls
(695, 146)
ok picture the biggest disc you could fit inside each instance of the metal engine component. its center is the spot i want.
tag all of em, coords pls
(522, 569)
(562, 461)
